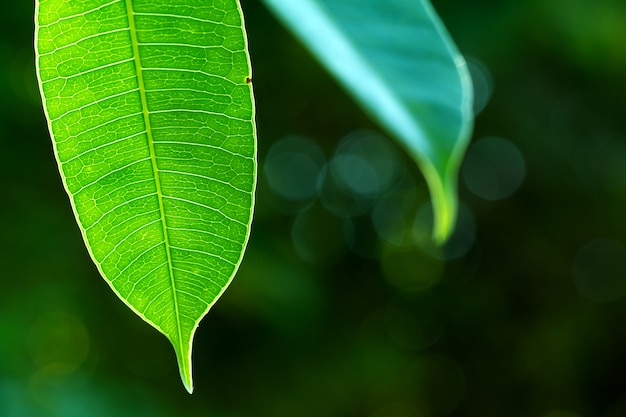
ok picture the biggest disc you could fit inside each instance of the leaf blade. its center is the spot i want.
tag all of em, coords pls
(155, 142)
(396, 59)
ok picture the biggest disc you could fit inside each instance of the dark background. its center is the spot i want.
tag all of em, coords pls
(340, 308)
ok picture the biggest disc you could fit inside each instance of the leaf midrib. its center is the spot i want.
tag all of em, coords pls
(155, 168)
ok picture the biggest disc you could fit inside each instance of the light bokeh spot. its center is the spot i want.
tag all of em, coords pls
(364, 163)
(313, 243)
(293, 166)
(391, 215)
(494, 168)
(482, 82)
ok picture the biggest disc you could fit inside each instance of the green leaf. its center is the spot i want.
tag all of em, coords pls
(396, 59)
(150, 107)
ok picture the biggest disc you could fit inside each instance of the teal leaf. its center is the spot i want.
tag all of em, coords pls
(397, 60)
(150, 109)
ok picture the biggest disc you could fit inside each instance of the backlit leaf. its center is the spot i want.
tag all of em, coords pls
(150, 108)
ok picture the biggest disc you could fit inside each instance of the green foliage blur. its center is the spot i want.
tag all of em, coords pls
(342, 307)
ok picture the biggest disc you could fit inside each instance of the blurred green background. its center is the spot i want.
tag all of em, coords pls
(341, 307)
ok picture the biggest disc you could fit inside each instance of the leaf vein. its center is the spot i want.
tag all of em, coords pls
(86, 38)
(205, 206)
(208, 74)
(125, 239)
(191, 174)
(187, 229)
(104, 145)
(212, 255)
(190, 294)
(80, 74)
(95, 9)
(144, 277)
(205, 145)
(99, 219)
(91, 129)
(184, 17)
(93, 103)
(211, 113)
(84, 187)
(202, 278)
(151, 248)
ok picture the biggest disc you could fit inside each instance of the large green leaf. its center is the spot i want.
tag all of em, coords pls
(396, 59)
(151, 112)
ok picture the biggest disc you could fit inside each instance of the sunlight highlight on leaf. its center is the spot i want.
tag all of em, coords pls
(397, 60)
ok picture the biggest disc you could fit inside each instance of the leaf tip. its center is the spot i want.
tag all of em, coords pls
(444, 202)
(444, 222)
(184, 366)
(185, 376)
(188, 386)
